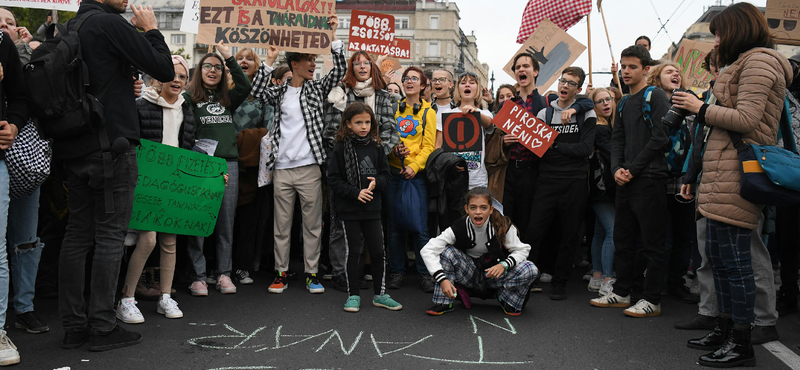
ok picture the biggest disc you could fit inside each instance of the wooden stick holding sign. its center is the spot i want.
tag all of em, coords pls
(461, 132)
(291, 25)
(531, 132)
(602, 15)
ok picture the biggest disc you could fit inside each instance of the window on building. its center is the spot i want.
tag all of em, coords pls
(449, 48)
(169, 21)
(260, 51)
(417, 47)
(178, 39)
(434, 24)
(344, 23)
(401, 23)
(234, 50)
(433, 48)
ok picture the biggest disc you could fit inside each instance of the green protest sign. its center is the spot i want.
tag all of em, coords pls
(178, 191)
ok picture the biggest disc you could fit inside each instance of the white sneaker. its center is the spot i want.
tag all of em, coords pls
(168, 307)
(128, 313)
(611, 300)
(607, 287)
(595, 284)
(546, 278)
(8, 351)
(643, 308)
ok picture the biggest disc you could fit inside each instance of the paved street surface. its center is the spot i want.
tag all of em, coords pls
(253, 329)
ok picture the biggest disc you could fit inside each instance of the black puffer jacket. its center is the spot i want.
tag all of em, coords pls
(151, 118)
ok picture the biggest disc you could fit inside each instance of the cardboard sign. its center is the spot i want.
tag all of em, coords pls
(290, 25)
(782, 19)
(690, 58)
(178, 191)
(553, 48)
(66, 5)
(371, 32)
(461, 132)
(532, 132)
(390, 64)
(401, 48)
(191, 16)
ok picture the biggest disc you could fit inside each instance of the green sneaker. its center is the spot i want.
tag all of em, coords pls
(353, 303)
(386, 302)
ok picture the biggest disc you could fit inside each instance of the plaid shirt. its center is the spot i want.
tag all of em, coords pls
(312, 96)
(383, 114)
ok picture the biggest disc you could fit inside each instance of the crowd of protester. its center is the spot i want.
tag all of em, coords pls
(362, 185)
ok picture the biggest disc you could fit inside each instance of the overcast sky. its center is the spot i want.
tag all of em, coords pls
(496, 29)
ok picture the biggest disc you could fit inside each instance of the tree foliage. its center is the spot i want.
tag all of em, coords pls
(33, 18)
(182, 52)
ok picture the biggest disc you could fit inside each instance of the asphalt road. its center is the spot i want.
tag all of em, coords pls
(253, 329)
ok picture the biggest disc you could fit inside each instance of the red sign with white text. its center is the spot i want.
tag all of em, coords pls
(400, 48)
(371, 32)
(531, 132)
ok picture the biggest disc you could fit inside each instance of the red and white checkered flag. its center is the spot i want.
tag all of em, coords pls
(564, 13)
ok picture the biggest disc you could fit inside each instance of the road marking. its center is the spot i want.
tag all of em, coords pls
(784, 354)
(243, 368)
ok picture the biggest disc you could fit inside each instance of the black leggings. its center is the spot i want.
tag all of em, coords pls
(373, 235)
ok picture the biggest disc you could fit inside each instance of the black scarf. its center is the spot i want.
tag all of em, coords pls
(351, 158)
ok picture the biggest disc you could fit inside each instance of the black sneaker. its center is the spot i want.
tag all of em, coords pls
(395, 281)
(243, 276)
(426, 283)
(509, 309)
(559, 292)
(439, 309)
(683, 294)
(75, 339)
(535, 287)
(31, 323)
(117, 338)
(339, 283)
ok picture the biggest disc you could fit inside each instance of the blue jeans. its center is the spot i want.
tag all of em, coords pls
(91, 228)
(728, 252)
(603, 241)
(23, 218)
(4, 200)
(224, 229)
(396, 240)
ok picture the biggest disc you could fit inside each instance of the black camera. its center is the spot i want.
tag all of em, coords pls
(675, 115)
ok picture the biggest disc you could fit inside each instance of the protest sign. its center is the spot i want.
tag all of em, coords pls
(290, 25)
(553, 48)
(178, 191)
(532, 132)
(782, 17)
(690, 57)
(390, 64)
(67, 5)
(401, 48)
(461, 132)
(191, 16)
(370, 32)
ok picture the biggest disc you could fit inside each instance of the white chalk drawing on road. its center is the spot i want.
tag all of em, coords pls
(239, 340)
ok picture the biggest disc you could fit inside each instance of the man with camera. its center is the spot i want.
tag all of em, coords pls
(640, 171)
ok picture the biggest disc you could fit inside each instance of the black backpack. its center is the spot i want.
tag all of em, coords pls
(58, 78)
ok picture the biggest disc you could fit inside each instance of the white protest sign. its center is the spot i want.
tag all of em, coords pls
(67, 5)
(191, 16)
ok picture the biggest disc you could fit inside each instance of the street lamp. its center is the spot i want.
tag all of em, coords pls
(460, 68)
(492, 79)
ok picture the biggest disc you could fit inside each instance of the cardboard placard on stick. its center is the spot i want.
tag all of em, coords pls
(178, 191)
(191, 16)
(66, 5)
(390, 64)
(782, 19)
(690, 57)
(553, 48)
(401, 48)
(461, 132)
(290, 25)
(370, 32)
(532, 132)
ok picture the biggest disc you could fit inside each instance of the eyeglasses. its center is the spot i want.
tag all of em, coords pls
(440, 80)
(365, 63)
(601, 101)
(562, 81)
(182, 77)
(410, 78)
(460, 76)
(209, 66)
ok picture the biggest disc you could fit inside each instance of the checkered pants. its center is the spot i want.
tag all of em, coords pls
(728, 252)
(512, 287)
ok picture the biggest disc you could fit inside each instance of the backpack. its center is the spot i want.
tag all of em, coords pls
(789, 117)
(58, 78)
(679, 139)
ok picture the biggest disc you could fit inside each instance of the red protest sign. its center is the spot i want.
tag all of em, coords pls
(371, 32)
(400, 48)
(461, 132)
(532, 132)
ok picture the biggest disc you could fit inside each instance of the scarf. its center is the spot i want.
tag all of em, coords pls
(351, 158)
(338, 96)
